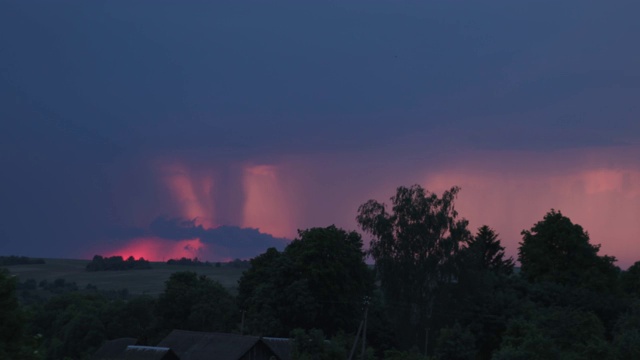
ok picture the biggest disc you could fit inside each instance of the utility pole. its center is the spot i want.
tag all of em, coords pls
(242, 324)
(426, 341)
(364, 331)
(426, 334)
(355, 341)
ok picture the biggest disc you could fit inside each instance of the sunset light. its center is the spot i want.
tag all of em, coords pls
(158, 249)
(193, 194)
(605, 201)
(267, 203)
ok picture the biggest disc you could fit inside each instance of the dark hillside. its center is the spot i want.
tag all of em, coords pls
(149, 281)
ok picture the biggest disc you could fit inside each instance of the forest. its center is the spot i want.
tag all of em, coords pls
(437, 290)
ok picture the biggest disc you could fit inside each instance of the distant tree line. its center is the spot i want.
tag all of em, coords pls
(236, 263)
(437, 291)
(19, 260)
(188, 262)
(239, 263)
(99, 263)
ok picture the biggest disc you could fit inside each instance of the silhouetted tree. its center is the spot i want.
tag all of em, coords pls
(331, 260)
(99, 263)
(415, 247)
(484, 294)
(630, 280)
(485, 253)
(559, 251)
(319, 281)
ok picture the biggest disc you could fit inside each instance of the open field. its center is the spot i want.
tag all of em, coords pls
(136, 281)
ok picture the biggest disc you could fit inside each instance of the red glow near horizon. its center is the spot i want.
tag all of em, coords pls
(191, 191)
(159, 249)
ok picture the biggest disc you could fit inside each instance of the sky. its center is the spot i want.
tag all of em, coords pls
(218, 129)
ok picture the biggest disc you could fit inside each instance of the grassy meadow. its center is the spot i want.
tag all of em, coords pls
(138, 282)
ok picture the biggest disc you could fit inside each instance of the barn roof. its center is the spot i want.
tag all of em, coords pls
(149, 353)
(113, 349)
(194, 345)
(280, 346)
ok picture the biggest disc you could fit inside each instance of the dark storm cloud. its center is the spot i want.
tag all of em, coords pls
(52, 181)
(239, 242)
(279, 76)
(232, 238)
(93, 92)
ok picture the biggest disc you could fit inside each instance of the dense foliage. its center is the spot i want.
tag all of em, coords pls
(318, 281)
(485, 253)
(417, 242)
(72, 323)
(13, 342)
(195, 302)
(556, 250)
(437, 292)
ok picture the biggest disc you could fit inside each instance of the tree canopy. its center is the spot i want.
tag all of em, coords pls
(195, 302)
(485, 252)
(11, 319)
(319, 281)
(557, 250)
(415, 247)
